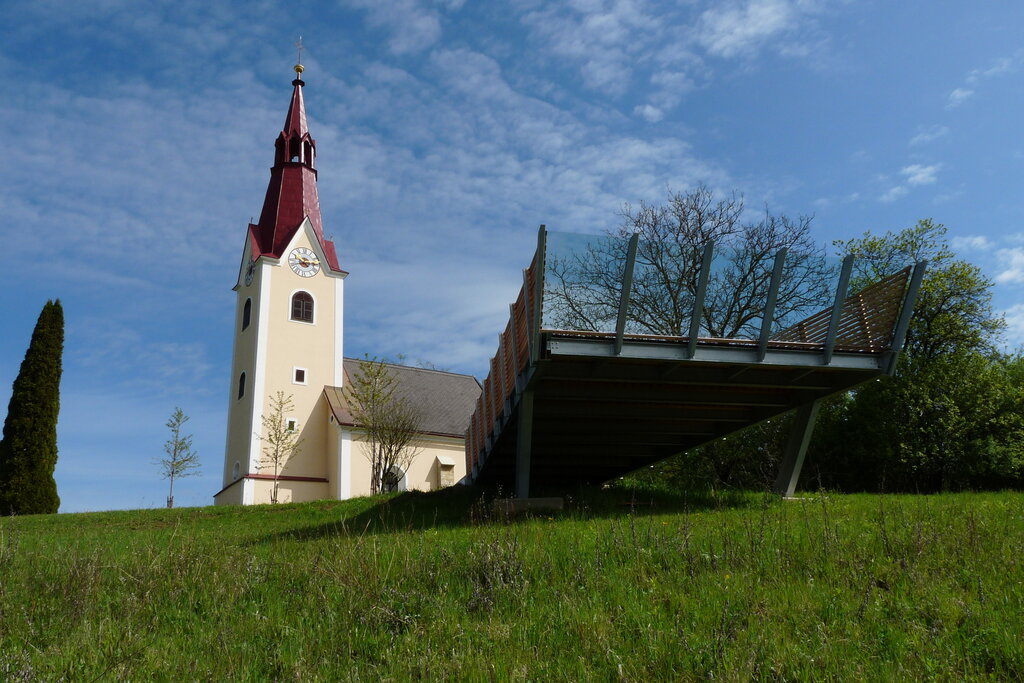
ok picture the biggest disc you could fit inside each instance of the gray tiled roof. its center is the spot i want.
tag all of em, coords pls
(447, 399)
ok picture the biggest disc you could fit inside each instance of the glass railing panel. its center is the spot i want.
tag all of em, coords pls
(806, 290)
(583, 284)
(582, 281)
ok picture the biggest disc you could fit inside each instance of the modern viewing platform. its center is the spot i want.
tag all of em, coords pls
(618, 354)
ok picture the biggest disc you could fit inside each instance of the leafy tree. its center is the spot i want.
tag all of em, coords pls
(28, 450)
(953, 416)
(582, 290)
(954, 307)
(180, 460)
(280, 439)
(951, 422)
(390, 421)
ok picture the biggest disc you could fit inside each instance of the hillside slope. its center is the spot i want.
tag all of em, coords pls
(624, 585)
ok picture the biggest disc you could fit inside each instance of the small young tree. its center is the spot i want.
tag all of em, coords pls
(280, 439)
(180, 460)
(28, 450)
(391, 422)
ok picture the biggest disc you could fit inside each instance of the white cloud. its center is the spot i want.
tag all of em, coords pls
(958, 97)
(893, 193)
(413, 27)
(972, 243)
(999, 67)
(928, 134)
(618, 44)
(649, 113)
(917, 174)
(1012, 263)
(1014, 317)
(738, 28)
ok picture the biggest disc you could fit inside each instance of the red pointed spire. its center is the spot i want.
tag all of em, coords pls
(291, 193)
(295, 122)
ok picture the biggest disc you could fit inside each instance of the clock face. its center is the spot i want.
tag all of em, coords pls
(250, 270)
(304, 262)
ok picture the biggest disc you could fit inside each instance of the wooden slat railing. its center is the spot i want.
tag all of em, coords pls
(511, 359)
(867, 320)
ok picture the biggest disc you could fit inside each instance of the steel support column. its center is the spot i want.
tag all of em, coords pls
(698, 299)
(769, 307)
(796, 448)
(524, 444)
(627, 288)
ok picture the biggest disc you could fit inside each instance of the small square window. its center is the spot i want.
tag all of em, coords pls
(291, 424)
(299, 375)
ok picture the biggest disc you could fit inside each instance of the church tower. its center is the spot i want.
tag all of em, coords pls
(288, 326)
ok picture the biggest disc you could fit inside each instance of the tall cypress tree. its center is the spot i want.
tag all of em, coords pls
(28, 451)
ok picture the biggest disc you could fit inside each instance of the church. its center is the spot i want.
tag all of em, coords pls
(289, 338)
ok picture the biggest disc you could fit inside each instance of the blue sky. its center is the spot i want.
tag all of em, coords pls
(138, 138)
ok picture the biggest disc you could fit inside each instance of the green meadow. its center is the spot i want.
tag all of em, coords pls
(625, 584)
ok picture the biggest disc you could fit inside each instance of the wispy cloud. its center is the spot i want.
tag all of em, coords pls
(958, 96)
(893, 193)
(649, 113)
(999, 67)
(914, 175)
(976, 78)
(918, 174)
(412, 27)
(622, 44)
(928, 134)
(972, 243)
(1011, 262)
(741, 27)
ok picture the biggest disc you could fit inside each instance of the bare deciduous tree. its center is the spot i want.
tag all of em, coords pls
(582, 288)
(390, 422)
(280, 438)
(180, 460)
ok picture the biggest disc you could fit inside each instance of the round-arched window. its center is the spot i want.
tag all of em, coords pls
(302, 307)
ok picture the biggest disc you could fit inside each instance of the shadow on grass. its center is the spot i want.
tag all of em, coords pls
(464, 506)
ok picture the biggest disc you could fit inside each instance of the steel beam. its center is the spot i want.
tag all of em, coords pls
(796, 448)
(769, 306)
(524, 444)
(837, 307)
(900, 333)
(627, 288)
(674, 351)
(698, 299)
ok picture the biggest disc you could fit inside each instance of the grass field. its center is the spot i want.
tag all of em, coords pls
(625, 584)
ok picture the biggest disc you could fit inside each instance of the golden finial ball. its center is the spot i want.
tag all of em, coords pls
(299, 68)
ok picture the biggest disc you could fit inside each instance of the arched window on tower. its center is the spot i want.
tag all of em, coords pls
(302, 307)
(241, 385)
(308, 153)
(295, 150)
(247, 313)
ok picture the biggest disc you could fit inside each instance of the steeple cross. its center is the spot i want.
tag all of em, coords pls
(299, 47)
